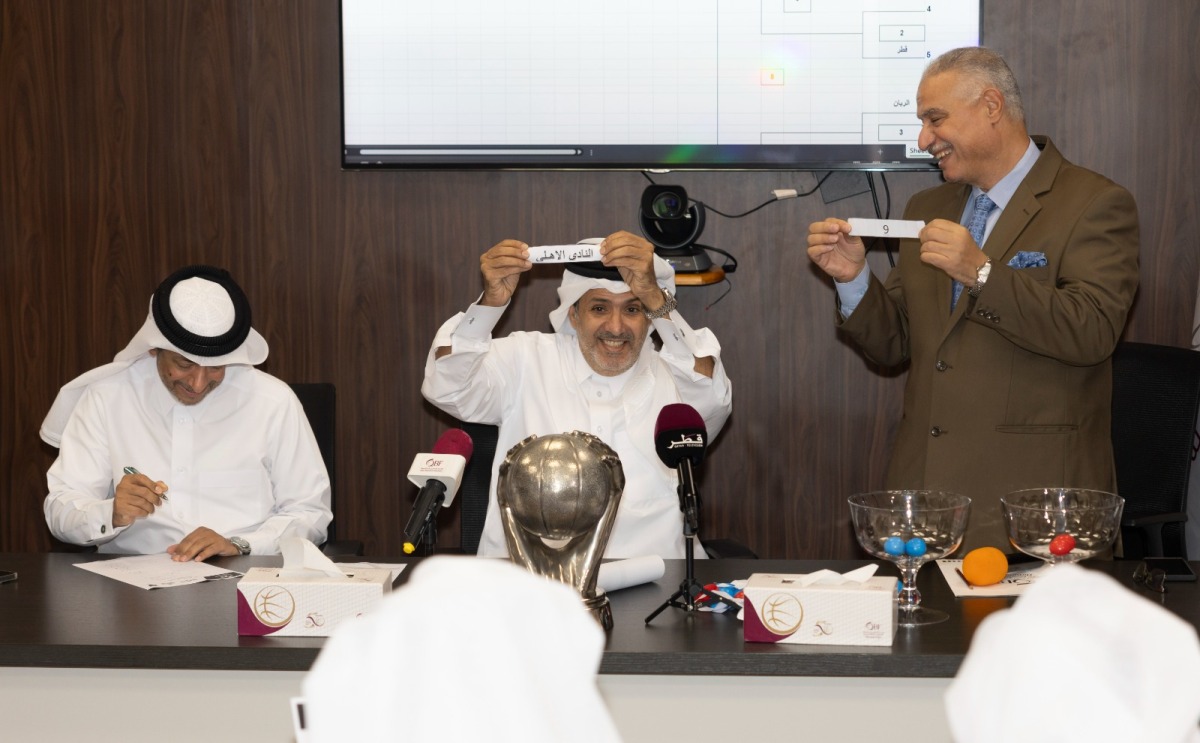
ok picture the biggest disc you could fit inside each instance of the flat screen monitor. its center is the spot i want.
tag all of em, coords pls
(641, 84)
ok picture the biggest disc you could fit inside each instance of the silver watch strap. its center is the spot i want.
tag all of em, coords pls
(668, 305)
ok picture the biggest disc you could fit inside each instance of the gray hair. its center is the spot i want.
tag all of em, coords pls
(985, 67)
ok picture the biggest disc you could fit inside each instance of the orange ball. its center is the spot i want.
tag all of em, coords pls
(984, 566)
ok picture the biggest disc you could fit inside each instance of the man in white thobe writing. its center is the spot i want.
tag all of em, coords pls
(180, 445)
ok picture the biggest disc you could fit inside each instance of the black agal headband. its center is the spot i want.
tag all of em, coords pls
(594, 270)
(184, 339)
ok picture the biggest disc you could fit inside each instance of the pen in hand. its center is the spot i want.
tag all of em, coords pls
(133, 471)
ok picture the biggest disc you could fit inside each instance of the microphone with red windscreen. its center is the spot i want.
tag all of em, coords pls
(680, 439)
(438, 474)
(679, 433)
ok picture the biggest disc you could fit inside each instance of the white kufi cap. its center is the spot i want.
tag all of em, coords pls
(202, 307)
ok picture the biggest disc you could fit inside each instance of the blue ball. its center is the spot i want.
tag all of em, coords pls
(915, 547)
(894, 546)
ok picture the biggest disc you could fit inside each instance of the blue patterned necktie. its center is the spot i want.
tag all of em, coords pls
(983, 207)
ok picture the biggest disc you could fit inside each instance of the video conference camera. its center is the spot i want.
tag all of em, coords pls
(673, 223)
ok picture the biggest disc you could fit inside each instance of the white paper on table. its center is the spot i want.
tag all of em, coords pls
(885, 227)
(614, 576)
(157, 571)
(1019, 578)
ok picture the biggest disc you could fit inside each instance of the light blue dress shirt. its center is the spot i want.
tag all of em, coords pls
(851, 292)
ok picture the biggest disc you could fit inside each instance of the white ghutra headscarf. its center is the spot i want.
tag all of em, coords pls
(580, 278)
(198, 312)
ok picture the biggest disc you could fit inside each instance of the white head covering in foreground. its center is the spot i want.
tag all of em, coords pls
(580, 278)
(468, 649)
(198, 312)
(1079, 658)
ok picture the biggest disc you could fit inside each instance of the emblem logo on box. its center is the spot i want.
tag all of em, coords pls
(781, 614)
(274, 606)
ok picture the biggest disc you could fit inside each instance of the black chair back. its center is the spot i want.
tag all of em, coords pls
(1156, 396)
(476, 483)
(320, 406)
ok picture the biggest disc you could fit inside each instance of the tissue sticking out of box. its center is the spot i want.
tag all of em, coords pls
(302, 558)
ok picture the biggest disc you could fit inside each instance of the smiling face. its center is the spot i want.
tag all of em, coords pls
(962, 126)
(612, 329)
(186, 380)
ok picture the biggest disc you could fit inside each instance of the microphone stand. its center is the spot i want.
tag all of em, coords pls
(689, 588)
(429, 536)
(429, 527)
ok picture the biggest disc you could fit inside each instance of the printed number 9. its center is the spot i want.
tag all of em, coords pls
(885, 228)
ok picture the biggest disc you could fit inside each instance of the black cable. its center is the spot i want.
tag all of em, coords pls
(728, 288)
(887, 211)
(729, 266)
(731, 263)
(887, 245)
(714, 210)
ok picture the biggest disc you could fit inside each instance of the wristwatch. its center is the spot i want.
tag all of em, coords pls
(669, 304)
(981, 277)
(243, 547)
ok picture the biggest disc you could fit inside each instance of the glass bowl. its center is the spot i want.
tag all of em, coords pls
(910, 528)
(1062, 525)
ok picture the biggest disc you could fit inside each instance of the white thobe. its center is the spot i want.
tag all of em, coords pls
(540, 383)
(242, 462)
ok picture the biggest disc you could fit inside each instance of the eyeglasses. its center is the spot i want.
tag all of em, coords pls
(1150, 579)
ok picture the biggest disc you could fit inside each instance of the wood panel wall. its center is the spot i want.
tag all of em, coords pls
(138, 136)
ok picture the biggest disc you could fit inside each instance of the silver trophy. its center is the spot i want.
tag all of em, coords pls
(558, 498)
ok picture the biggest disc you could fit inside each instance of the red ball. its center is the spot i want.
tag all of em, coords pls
(1062, 544)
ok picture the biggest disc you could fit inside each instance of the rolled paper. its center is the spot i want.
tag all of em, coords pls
(632, 572)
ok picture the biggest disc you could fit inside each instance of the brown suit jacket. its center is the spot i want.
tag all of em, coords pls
(1012, 389)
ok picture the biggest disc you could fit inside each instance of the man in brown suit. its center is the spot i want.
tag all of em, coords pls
(1009, 381)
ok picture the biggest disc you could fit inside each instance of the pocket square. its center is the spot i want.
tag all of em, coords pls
(1027, 259)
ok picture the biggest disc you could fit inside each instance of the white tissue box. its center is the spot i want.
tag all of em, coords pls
(272, 602)
(779, 609)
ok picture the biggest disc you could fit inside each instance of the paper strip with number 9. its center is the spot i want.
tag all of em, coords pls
(885, 227)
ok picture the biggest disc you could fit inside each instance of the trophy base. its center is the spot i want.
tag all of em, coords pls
(600, 609)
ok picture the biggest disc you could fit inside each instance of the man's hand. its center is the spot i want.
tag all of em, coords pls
(502, 266)
(633, 257)
(834, 250)
(948, 246)
(202, 544)
(136, 498)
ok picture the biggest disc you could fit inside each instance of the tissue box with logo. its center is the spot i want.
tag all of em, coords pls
(308, 596)
(798, 609)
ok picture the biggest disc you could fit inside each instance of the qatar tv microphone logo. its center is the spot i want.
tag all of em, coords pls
(690, 442)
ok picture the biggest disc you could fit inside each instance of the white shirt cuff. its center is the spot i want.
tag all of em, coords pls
(683, 344)
(478, 322)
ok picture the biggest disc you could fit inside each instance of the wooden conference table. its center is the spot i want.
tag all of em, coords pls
(168, 664)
